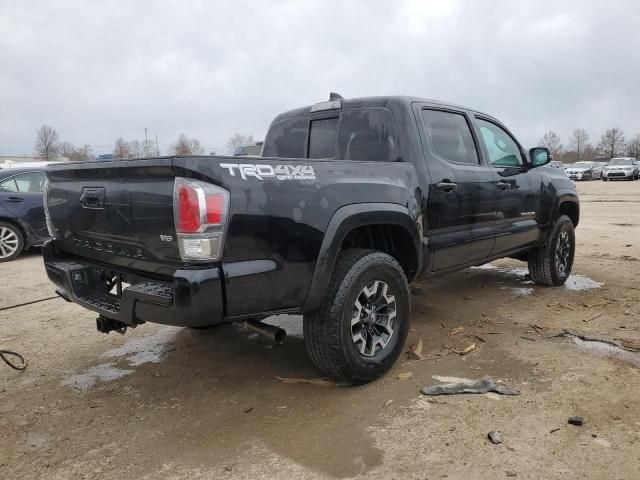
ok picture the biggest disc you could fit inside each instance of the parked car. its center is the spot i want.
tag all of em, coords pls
(352, 200)
(22, 219)
(623, 168)
(585, 171)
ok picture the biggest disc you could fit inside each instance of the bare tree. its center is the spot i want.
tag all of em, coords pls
(552, 141)
(612, 142)
(47, 142)
(186, 146)
(82, 154)
(238, 140)
(579, 141)
(76, 154)
(136, 149)
(121, 149)
(633, 147)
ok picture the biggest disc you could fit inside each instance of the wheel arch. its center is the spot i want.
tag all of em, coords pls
(386, 227)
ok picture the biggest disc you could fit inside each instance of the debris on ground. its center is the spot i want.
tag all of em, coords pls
(511, 474)
(587, 320)
(405, 376)
(456, 331)
(495, 437)
(415, 352)
(468, 349)
(323, 382)
(625, 344)
(577, 421)
(484, 385)
(554, 430)
(388, 402)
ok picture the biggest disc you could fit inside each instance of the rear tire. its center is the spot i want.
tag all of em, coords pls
(11, 242)
(551, 264)
(359, 330)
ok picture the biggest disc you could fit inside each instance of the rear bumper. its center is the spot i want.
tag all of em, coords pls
(190, 298)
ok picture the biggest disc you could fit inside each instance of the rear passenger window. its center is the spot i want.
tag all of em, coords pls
(9, 185)
(450, 136)
(322, 138)
(32, 182)
(367, 135)
(286, 138)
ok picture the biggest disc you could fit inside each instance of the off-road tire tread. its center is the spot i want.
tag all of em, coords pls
(541, 260)
(321, 327)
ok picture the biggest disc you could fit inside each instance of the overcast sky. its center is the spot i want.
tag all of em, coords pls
(99, 70)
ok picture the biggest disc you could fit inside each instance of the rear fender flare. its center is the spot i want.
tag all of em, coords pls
(344, 220)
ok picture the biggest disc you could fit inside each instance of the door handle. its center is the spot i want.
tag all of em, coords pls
(446, 186)
(503, 185)
(15, 199)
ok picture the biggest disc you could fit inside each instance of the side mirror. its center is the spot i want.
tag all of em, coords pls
(539, 156)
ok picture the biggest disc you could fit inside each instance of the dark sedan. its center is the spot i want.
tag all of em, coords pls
(22, 220)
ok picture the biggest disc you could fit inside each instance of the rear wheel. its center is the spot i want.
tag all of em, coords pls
(551, 264)
(11, 241)
(359, 330)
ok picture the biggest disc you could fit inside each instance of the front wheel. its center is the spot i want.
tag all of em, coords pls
(359, 330)
(551, 264)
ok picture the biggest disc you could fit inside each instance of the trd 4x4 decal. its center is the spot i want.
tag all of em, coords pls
(262, 171)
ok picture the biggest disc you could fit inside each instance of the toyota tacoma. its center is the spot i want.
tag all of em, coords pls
(351, 200)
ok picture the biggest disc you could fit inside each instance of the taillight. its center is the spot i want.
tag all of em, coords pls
(200, 211)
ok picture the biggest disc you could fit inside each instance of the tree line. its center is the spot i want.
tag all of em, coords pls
(611, 144)
(49, 146)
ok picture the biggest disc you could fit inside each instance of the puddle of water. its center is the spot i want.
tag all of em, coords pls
(580, 282)
(608, 351)
(148, 349)
(574, 282)
(83, 381)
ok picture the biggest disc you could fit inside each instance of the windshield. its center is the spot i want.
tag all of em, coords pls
(582, 165)
(621, 161)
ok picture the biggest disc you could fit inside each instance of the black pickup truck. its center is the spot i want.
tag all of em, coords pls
(351, 200)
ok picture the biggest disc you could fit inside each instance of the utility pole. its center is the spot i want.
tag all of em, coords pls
(146, 143)
(157, 148)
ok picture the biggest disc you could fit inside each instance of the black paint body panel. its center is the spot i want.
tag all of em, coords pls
(284, 234)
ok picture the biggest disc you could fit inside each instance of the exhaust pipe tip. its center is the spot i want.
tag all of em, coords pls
(272, 332)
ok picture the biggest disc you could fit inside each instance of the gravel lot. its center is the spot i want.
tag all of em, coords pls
(162, 402)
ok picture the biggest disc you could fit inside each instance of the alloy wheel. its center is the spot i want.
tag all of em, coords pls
(563, 252)
(8, 242)
(373, 318)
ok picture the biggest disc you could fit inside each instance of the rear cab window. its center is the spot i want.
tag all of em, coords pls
(366, 134)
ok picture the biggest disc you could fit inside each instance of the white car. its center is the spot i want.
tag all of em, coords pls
(584, 171)
(625, 168)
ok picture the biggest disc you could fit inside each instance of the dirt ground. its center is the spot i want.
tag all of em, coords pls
(163, 402)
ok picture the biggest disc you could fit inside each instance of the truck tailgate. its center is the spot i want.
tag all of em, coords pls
(118, 212)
